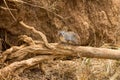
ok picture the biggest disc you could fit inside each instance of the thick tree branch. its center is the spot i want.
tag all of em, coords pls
(62, 50)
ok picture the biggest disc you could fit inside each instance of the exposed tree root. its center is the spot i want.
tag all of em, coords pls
(38, 32)
(27, 39)
(9, 51)
(18, 67)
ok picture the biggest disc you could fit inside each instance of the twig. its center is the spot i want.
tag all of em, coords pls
(9, 10)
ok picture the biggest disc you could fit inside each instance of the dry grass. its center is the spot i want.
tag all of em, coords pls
(86, 69)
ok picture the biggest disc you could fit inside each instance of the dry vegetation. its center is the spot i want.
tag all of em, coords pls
(29, 41)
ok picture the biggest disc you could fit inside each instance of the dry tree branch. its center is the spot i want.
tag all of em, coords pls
(4, 8)
(39, 50)
(62, 50)
(90, 52)
(44, 38)
(19, 67)
(9, 10)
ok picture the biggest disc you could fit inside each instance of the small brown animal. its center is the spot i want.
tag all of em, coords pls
(69, 37)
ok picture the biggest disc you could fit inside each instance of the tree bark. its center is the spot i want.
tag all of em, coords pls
(61, 50)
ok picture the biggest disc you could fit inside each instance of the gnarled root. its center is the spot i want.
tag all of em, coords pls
(20, 66)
